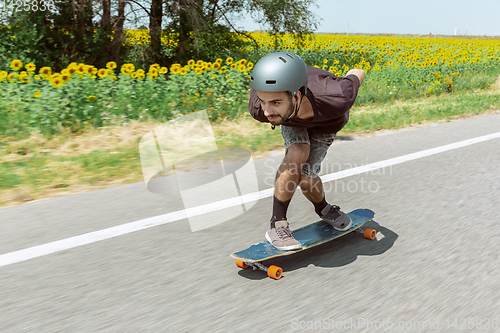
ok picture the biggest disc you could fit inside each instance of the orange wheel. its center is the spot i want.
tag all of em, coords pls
(370, 234)
(241, 264)
(275, 272)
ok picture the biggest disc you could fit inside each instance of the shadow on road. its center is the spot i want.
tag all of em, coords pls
(336, 253)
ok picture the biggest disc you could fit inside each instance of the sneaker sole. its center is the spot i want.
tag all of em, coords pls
(348, 226)
(339, 229)
(284, 248)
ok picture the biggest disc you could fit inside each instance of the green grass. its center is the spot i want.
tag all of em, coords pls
(394, 115)
(40, 171)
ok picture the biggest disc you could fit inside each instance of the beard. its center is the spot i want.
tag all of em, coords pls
(281, 119)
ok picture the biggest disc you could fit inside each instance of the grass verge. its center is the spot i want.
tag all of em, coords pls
(41, 167)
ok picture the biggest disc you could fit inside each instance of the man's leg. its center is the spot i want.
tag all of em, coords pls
(287, 178)
(309, 181)
(312, 187)
(286, 182)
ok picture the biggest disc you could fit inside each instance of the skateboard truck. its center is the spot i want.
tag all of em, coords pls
(274, 272)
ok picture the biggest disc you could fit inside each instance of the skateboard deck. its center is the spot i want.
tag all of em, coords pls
(309, 236)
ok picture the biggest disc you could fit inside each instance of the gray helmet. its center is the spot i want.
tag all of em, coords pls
(279, 71)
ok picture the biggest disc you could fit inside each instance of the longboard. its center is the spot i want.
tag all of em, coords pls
(309, 236)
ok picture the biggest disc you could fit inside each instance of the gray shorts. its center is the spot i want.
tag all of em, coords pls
(318, 146)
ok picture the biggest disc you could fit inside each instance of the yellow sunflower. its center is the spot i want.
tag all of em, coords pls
(65, 77)
(31, 67)
(88, 69)
(229, 60)
(23, 77)
(103, 72)
(71, 70)
(80, 68)
(16, 64)
(111, 65)
(45, 71)
(37, 94)
(125, 69)
(140, 74)
(57, 81)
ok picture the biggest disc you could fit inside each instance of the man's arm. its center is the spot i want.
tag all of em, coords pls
(359, 73)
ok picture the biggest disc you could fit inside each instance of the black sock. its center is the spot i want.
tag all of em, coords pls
(318, 207)
(279, 210)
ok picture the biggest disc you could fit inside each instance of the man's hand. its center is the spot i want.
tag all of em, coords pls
(359, 73)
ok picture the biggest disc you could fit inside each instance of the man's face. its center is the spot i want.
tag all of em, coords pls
(277, 106)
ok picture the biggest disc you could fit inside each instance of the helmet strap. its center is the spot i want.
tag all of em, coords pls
(297, 107)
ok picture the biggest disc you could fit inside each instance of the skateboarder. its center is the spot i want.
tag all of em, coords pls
(310, 105)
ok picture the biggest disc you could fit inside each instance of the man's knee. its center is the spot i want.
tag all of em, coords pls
(298, 153)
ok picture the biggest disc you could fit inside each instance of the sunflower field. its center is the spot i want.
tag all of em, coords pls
(36, 97)
(82, 95)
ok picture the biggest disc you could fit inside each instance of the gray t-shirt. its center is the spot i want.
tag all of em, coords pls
(331, 98)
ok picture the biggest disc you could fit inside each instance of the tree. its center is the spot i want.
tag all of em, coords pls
(92, 31)
(54, 37)
(118, 35)
(284, 16)
(204, 26)
(105, 26)
(155, 22)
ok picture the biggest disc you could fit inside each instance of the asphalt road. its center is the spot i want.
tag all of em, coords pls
(433, 267)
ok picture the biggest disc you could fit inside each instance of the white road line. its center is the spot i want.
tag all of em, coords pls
(91, 237)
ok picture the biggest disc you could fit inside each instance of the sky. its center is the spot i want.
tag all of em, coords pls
(442, 17)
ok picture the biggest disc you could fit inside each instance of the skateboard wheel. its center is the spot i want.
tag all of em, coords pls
(241, 264)
(370, 234)
(275, 272)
